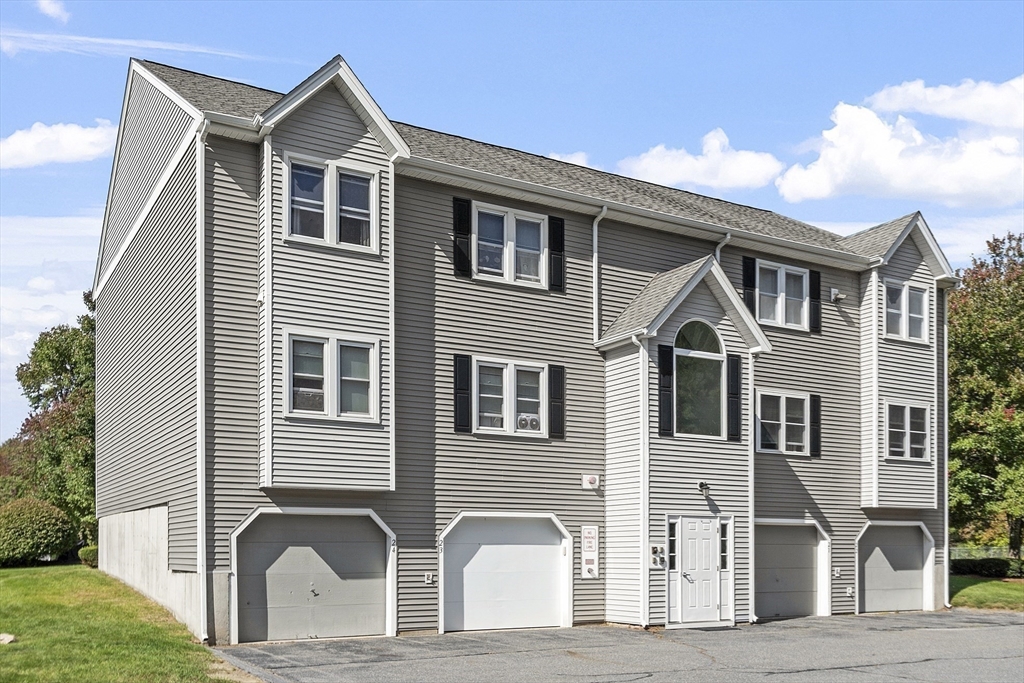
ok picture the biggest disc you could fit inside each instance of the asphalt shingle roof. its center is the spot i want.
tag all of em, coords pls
(877, 240)
(208, 93)
(653, 298)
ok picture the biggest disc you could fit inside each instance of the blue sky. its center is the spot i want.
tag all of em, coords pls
(841, 115)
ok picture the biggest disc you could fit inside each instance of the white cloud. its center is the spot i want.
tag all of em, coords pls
(999, 105)
(964, 236)
(59, 143)
(718, 166)
(578, 158)
(54, 9)
(26, 240)
(863, 154)
(13, 42)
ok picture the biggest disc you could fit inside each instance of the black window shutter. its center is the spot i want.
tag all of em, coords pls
(815, 303)
(463, 391)
(556, 401)
(556, 254)
(815, 426)
(666, 360)
(734, 383)
(750, 284)
(462, 227)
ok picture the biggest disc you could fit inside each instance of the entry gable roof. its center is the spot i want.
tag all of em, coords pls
(645, 315)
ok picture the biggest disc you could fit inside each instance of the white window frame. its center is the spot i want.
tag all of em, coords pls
(904, 333)
(780, 301)
(725, 381)
(332, 375)
(508, 386)
(783, 396)
(508, 275)
(907, 405)
(332, 201)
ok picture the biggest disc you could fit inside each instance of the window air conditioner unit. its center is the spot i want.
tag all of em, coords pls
(528, 422)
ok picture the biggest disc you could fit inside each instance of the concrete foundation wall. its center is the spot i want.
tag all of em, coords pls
(133, 548)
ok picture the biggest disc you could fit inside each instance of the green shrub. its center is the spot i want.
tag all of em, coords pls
(992, 567)
(31, 530)
(89, 555)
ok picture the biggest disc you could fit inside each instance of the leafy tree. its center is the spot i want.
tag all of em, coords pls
(54, 456)
(986, 392)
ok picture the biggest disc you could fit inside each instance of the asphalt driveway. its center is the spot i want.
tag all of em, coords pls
(957, 646)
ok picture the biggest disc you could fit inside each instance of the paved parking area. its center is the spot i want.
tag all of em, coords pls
(956, 646)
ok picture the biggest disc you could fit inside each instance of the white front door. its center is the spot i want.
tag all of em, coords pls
(693, 569)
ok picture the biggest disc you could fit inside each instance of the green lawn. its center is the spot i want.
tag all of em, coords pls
(75, 624)
(977, 591)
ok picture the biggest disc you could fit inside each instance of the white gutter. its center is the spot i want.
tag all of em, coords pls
(645, 428)
(595, 282)
(201, 378)
(718, 247)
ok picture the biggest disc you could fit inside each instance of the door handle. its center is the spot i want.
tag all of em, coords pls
(687, 576)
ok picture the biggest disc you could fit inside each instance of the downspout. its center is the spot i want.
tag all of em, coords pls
(945, 438)
(644, 425)
(718, 247)
(752, 398)
(595, 283)
(201, 379)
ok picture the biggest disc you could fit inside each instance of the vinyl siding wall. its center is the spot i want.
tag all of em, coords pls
(679, 463)
(439, 315)
(146, 340)
(152, 129)
(327, 290)
(825, 489)
(907, 375)
(622, 546)
(868, 401)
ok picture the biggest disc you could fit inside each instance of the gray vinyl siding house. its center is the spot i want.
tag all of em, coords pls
(356, 377)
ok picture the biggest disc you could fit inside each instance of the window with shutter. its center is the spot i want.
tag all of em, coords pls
(784, 422)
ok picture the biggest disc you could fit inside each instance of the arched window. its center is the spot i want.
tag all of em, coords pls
(700, 380)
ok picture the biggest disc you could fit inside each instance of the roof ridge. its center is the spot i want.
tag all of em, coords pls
(881, 225)
(216, 78)
(625, 177)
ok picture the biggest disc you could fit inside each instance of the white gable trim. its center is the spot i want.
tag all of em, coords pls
(937, 259)
(338, 72)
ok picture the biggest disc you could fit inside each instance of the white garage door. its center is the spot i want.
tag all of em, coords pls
(311, 576)
(785, 571)
(891, 569)
(503, 573)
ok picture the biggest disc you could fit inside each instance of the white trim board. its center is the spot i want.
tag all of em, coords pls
(391, 571)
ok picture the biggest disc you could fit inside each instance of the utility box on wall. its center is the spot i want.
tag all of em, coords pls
(589, 553)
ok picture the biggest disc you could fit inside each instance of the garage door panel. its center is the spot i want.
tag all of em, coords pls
(785, 604)
(891, 569)
(789, 556)
(323, 579)
(785, 580)
(503, 573)
(786, 570)
(290, 557)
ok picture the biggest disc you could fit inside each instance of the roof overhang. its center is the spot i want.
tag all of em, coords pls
(718, 282)
(338, 72)
(490, 183)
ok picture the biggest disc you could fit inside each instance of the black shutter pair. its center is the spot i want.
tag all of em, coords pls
(750, 293)
(734, 386)
(464, 397)
(462, 257)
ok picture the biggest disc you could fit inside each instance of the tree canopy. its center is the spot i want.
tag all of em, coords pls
(986, 391)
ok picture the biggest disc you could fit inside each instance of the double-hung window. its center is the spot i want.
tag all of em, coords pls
(906, 311)
(782, 421)
(509, 245)
(509, 397)
(782, 293)
(907, 431)
(332, 203)
(333, 376)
